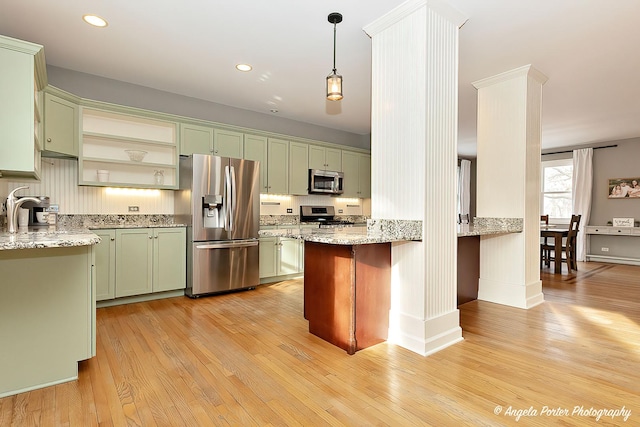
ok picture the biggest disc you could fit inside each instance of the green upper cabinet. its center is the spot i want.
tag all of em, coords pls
(357, 174)
(298, 168)
(228, 143)
(206, 140)
(325, 158)
(61, 128)
(23, 71)
(364, 177)
(195, 139)
(277, 166)
(255, 148)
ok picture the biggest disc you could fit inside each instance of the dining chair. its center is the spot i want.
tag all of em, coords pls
(463, 218)
(568, 253)
(544, 220)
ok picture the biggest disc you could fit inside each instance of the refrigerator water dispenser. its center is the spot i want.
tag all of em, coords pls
(213, 211)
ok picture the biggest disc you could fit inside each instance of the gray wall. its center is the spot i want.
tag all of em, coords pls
(107, 90)
(622, 161)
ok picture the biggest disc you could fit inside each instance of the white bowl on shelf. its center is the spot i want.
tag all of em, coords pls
(136, 155)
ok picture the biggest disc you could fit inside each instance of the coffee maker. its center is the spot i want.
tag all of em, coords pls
(38, 212)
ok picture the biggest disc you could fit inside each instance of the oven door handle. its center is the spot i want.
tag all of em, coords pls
(225, 245)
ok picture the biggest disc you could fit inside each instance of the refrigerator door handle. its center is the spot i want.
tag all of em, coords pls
(228, 198)
(226, 245)
(233, 197)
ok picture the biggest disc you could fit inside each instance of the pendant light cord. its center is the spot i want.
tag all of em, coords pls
(334, 47)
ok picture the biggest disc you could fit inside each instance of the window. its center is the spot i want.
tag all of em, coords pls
(556, 196)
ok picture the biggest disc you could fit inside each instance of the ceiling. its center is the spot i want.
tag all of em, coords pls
(587, 49)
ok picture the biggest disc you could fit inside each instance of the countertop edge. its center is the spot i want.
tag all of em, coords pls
(47, 240)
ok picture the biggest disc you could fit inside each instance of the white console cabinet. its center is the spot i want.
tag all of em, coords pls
(613, 244)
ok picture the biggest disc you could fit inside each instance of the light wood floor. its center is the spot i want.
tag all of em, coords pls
(247, 359)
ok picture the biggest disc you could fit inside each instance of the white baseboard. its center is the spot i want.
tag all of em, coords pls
(511, 294)
(425, 336)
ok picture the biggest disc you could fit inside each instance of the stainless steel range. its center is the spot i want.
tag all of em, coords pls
(323, 215)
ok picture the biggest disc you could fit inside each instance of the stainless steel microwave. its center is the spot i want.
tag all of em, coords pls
(325, 182)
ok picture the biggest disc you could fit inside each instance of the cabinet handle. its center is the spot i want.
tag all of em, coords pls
(156, 237)
(151, 237)
(113, 239)
(48, 139)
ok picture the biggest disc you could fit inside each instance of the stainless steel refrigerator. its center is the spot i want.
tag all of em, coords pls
(219, 201)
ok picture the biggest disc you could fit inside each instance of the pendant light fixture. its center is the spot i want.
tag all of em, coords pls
(334, 80)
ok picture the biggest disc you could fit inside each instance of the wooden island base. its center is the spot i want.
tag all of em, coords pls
(347, 293)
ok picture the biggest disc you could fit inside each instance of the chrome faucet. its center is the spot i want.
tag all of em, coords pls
(13, 203)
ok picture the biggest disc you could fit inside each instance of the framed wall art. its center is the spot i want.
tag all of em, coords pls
(624, 188)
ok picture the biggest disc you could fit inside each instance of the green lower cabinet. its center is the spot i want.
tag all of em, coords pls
(301, 255)
(140, 261)
(289, 256)
(169, 259)
(268, 256)
(279, 256)
(134, 261)
(105, 270)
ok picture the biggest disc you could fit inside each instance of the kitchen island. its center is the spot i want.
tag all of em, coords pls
(347, 279)
(347, 274)
(47, 307)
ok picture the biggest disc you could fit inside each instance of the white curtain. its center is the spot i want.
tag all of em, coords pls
(464, 187)
(582, 185)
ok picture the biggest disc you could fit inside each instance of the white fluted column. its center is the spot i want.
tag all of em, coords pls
(508, 184)
(413, 165)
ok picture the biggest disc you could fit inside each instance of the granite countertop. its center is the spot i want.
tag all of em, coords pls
(51, 237)
(466, 230)
(385, 231)
(335, 236)
(377, 231)
(122, 226)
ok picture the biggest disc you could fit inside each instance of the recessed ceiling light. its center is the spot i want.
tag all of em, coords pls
(244, 67)
(94, 20)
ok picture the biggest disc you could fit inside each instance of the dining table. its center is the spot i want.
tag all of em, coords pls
(556, 234)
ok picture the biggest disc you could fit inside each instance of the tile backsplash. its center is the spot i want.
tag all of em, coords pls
(278, 205)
